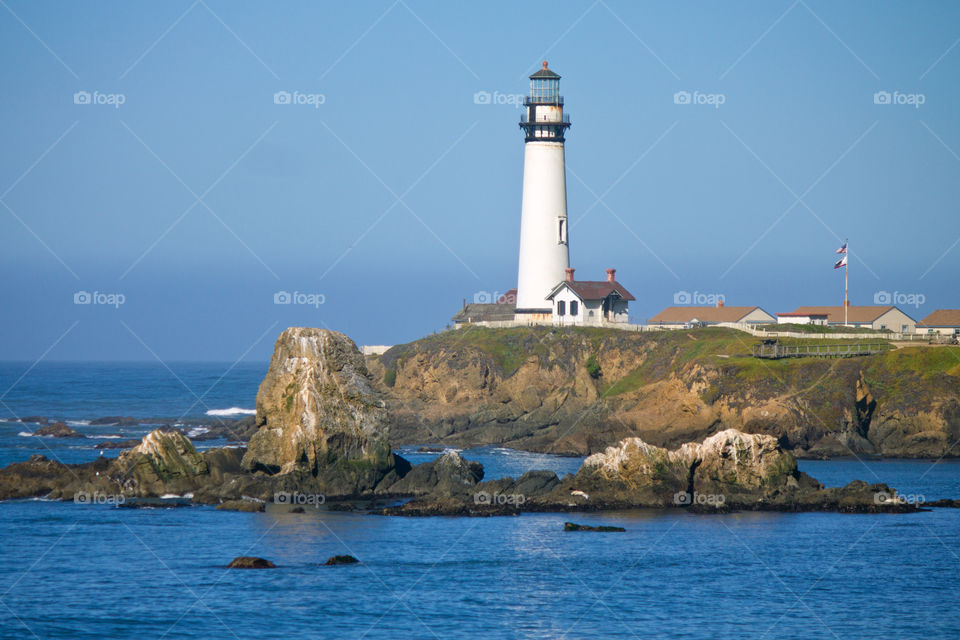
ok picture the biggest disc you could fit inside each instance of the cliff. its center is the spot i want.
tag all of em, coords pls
(579, 390)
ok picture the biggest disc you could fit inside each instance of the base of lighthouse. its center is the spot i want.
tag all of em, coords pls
(544, 252)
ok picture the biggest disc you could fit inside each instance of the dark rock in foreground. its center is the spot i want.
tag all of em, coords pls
(570, 526)
(335, 560)
(58, 430)
(250, 562)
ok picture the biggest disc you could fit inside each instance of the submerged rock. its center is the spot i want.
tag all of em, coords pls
(570, 526)
(249, 506)
(335, 560)
(318, 415)
(250, 562)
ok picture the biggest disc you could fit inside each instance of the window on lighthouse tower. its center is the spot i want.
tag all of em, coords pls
(561, 230)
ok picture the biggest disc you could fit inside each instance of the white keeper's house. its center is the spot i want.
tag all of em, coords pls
(590, 302)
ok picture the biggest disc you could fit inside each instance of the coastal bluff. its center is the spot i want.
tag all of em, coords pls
(578, 390)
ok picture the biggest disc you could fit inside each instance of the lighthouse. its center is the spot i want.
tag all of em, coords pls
(544, 233)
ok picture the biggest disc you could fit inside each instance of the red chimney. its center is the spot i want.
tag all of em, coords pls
(569, 271)
(611, 275)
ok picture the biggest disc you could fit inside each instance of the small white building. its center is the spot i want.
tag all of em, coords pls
(590, 302)
(686, 317)
(879, 318)
(945, 322)
(802, 318)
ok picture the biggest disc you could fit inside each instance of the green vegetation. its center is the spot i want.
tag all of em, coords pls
(390, 377)
(593, 367)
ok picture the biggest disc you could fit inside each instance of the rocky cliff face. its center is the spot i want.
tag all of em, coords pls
(578, 391)
(319, 415)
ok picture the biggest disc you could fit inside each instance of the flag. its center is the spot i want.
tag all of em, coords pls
(843, 249)
(842, 262)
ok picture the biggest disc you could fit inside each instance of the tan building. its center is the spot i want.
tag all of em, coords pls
(879, 318)
(687, 317)
(946, 322)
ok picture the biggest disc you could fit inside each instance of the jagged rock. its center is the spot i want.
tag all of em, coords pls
(732, 462)
(318, 415)
(448, 474)
(163, 462)
(58, 430)
(117, 444)
(250, 562)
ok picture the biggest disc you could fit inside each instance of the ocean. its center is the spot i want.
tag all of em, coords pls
(96, 571)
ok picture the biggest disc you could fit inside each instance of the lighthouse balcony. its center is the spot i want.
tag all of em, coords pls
(525, 120)
(542, 99)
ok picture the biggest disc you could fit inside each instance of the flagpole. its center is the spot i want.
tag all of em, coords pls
(846, 282)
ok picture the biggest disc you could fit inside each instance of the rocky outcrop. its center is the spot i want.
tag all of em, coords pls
(58, 430)
(449, 474)
(533, 388)
(728, 471)
(319, 416)
(163, 462)
(250, 562)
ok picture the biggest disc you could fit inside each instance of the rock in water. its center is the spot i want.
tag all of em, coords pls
(319, 415)
(163, 462)
(58, 430)
(249, 506)
(448, 474)
(571, 526)
(250, 562)
(334, 560)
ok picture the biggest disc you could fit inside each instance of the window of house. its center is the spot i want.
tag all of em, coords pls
(561, 308)
(573, 308)
(562, 230)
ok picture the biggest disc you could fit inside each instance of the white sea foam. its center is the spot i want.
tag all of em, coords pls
(196, 431)
(232, 411)
(78, 423)
(170, 496)
(109, 437)
(25, 434)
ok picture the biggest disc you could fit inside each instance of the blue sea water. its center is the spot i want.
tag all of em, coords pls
(94, 571)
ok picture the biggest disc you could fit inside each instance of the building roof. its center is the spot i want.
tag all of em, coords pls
(942, 318)
(544, 72)
(676, 315)
(802, 315)
(854, 314)
(593, 289)
(510, 297)
(485, 313)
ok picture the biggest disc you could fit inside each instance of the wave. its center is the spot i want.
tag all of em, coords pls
(25, 434)
(232, 411)
(78, 423)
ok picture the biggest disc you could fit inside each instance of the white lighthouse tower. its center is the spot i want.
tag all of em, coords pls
(544, 252)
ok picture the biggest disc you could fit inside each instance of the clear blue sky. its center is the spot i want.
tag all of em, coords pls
(199, 197)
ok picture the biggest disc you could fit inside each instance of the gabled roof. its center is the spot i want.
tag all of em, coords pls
(942, 318)
(676, 315)
(801, 315)
(485, 313)
(593, 289)
(854, 314)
